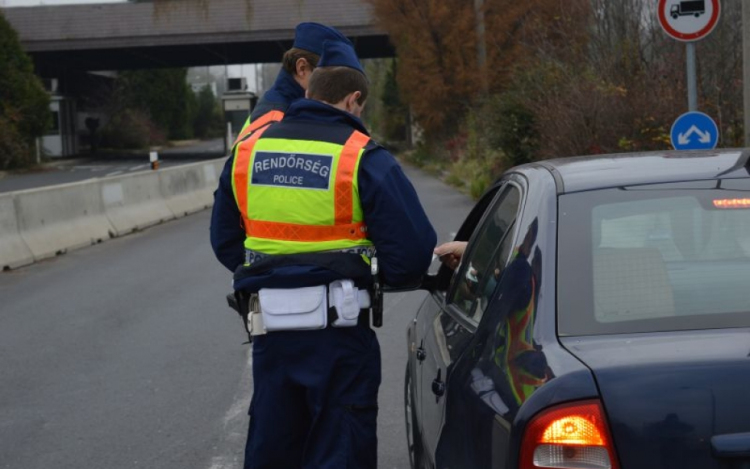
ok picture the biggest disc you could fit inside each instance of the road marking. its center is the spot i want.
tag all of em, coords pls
(239, 407)
(90, 167)
(224, 462)
(238, 410)
(113, 174)
(140, 166)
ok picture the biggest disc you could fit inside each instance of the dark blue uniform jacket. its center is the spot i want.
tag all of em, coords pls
(285, 91)
(395, 219)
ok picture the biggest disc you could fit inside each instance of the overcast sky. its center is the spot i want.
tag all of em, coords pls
(24, 3)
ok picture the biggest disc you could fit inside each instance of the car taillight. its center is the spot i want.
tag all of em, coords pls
(732, 203)
(570, 436)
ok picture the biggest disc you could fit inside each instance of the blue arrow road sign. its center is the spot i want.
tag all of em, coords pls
(694, 131)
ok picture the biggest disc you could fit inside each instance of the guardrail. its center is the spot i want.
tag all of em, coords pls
(40, 223)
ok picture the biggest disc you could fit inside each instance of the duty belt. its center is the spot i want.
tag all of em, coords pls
(252, 257)
(248, 307)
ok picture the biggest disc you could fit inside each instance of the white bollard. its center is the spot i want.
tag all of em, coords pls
(154, 159)
(230, 137)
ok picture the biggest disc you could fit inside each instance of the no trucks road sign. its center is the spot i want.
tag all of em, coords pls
(689, 20)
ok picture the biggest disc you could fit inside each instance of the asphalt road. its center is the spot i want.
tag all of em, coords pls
(79, 169)
(123, 355)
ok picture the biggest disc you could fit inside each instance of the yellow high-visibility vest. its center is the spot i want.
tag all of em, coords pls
(265, 119)
(299, 196)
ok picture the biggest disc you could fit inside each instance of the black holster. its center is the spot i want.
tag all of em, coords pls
(376, 301)
(240, 302)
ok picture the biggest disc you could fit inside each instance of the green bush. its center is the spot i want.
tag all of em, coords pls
(515, 134)
(472, 176)
(127, 130)
(422, 154)
(478, 154)
(14, 151)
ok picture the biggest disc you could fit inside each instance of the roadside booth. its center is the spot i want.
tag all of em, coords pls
(237, 104)
(61, 139)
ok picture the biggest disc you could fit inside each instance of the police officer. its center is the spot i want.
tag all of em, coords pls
(291, 82)
(309, 199)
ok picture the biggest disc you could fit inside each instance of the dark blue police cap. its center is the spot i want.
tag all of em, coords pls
(339, 54)
(310, 37)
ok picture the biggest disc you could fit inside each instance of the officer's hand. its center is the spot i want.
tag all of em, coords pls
(450, 253)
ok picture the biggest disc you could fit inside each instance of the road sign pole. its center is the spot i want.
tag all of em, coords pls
(746, 66)
(481, 44)
(691, 77)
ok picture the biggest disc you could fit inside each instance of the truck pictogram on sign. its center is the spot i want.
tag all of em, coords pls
(688, 8)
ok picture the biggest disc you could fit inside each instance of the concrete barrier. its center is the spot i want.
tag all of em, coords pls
(134, 202)
(189, 188)
(56, 219)
(13, 250)
(40, 223)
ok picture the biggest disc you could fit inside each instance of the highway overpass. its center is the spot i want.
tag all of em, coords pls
(182, 33)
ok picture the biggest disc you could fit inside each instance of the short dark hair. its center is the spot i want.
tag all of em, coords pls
(291, 57)
(332, 84)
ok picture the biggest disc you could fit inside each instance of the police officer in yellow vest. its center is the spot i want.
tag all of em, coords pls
(313, 201)
(298, 64)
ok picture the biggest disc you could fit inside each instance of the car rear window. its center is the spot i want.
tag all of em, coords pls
(654, 258)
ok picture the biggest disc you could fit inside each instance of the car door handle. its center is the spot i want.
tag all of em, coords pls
(731, 446)
(438, 386)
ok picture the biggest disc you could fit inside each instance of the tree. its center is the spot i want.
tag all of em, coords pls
(165, 96)
(24, 104)
(434, 42)
(395, 124)
(208, 121)
(439, 74)
(564, 78)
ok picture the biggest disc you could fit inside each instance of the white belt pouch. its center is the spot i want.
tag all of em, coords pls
(286, 309)
(348, 301)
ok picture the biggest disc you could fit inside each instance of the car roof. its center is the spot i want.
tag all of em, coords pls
(577, 174)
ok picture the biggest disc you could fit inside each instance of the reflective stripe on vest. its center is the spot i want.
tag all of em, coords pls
(240, 168)
(272, 229)
(310, 233)
(267, 118)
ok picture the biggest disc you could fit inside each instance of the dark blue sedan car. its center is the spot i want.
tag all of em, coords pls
(599, 319)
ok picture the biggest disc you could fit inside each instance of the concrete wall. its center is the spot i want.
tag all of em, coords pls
(134, 203)
(191, 189)
(40, 223)
(55, 219)
(13, 250)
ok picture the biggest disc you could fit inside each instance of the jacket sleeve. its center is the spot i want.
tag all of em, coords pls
(227, 235)
(396, 221)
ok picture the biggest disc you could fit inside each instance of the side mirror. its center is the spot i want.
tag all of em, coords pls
(427, 282)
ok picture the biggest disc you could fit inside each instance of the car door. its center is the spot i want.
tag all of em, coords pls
(459, 308)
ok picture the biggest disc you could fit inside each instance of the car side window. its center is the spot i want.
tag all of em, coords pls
(486, 256)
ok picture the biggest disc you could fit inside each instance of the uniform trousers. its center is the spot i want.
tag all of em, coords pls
(315, 400)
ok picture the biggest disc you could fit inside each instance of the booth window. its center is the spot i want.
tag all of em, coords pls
(54, 129)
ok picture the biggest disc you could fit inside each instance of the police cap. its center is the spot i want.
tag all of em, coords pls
(339, 54)
(310, 37)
